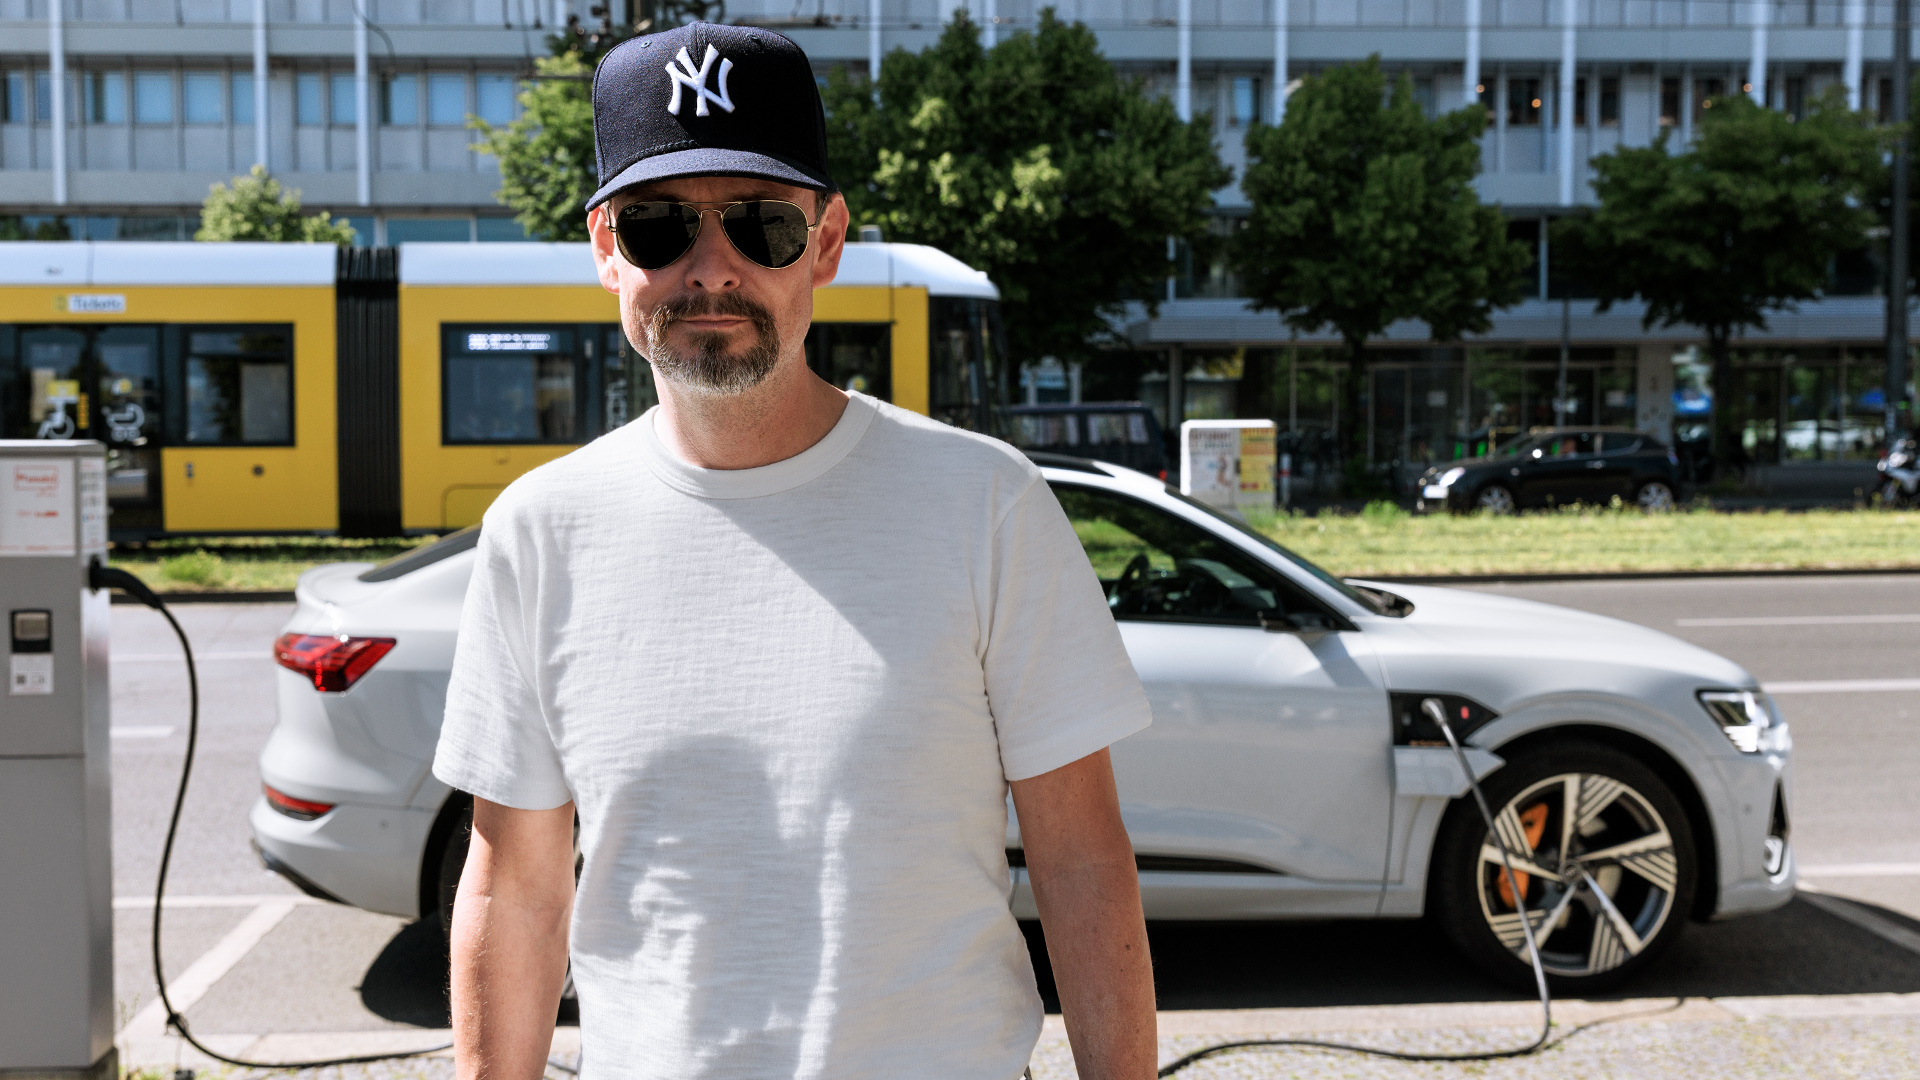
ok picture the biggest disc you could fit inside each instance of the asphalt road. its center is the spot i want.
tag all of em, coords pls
(330, 969)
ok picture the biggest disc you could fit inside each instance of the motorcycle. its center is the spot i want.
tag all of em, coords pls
(1900, 473)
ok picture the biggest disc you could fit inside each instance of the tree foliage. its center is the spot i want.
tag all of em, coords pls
(547, 170)
(1034, 161)
(1748, 219)
(1364, 213)
(256, 207)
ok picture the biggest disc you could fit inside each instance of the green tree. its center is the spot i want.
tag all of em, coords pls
(1750, 218)
(256, 207)
(1364, 213)
(547, 170)
(1034, 161)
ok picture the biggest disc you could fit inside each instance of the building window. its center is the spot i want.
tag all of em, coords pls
(1610, 102)
(446, 100)
(1796, 94)
(1246, 101)
(442, 230)
(1669, 102)
(494, 94)
(499, 229)
(1423, 97)
(1523, 101)
(13, 98)
(242, 98)
(201, 95)
(1579, 103)
(1884, 107)
(106, 97)
(511, 384)
(1704, 92)
(239, 386)
(42, 97)
(153, 97)
(400, 100)
(344, 98)
(306, 99)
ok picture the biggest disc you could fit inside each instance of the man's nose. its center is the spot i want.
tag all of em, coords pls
(713, 265)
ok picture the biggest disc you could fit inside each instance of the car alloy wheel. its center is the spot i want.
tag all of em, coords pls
(1495, 498)
(1655, 497)
(1603, 854)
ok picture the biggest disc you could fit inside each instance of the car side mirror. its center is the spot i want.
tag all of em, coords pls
(1297, 622)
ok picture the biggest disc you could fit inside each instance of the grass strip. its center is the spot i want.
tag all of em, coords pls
(248, 563)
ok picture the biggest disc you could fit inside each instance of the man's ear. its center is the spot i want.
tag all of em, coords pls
(606, 256)
(831, 241)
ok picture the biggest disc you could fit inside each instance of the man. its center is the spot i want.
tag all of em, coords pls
(783, 650)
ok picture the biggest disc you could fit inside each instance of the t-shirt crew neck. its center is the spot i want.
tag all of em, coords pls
(809, 464)
(786, 703)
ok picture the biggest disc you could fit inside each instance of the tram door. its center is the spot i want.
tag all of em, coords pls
(98, 382)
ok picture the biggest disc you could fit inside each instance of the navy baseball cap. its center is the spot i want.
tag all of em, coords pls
(707, 100)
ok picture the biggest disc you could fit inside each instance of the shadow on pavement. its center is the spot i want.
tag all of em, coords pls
(1798, 949)
(407, 982)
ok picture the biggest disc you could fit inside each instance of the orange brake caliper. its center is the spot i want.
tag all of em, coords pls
(1534, 821)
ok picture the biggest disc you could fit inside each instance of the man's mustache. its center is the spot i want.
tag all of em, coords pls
(695, 305)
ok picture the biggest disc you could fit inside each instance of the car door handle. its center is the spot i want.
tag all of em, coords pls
(1596, 464)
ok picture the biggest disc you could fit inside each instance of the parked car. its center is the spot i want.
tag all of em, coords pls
(1122, 432)
(1559, 467)
(1290, 771)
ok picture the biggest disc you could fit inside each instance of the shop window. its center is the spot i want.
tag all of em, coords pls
(239, 385)
(512, 384)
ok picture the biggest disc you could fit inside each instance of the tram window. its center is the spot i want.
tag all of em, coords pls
(239, 386)
(512, 384)
(853, 356)
(967, 371)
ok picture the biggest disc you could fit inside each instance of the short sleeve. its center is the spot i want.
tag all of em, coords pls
(494, 742)
(1058, 678)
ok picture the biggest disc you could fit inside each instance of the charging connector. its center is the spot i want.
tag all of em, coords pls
(1436, 711)
(101, 576)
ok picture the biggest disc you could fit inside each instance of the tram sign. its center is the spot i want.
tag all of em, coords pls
(95, 303)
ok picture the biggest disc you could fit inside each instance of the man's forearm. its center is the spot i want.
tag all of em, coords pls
(508, 951)
(1080, 864)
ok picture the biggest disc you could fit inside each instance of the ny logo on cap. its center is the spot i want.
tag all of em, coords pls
(695, 79)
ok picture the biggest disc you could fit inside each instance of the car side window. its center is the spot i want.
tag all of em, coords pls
(1619, 442)
(1571, 444)
(1161, 568)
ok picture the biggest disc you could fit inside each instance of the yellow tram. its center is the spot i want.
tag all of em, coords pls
(293, 388)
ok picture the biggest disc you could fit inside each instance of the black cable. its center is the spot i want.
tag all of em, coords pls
(1433, 709)
(100, 576)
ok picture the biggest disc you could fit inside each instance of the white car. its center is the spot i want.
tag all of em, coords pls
(1290, 771)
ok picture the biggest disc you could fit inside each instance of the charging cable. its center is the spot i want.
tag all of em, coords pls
(1434, 709)
(101, 576)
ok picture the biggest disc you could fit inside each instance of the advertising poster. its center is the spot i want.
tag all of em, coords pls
(1256, 465)
(1210, 464)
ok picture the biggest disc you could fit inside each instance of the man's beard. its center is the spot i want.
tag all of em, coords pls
(706, 367)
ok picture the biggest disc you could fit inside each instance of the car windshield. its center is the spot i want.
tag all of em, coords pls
(1519, 447)
(1365, 601)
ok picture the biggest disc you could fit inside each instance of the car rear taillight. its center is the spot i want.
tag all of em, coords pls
(334, 663)
(303, 809)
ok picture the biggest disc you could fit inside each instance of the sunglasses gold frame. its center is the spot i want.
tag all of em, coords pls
(703, 209)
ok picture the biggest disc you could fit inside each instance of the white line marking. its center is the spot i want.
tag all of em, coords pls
(123, 903)
(156, 658)
(192, 984)
(1885, 928)
(1843, 686)
(1863, 869)
(140, 731)
(1801, 620)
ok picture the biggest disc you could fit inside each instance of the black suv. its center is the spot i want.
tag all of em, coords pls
(1557, 467)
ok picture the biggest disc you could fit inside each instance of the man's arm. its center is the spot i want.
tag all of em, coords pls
(1080, 863)
(509, 938)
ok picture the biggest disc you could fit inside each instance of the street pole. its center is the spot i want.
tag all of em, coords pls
(1895, 390)
(1566, 351)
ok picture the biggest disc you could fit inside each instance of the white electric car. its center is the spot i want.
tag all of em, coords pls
(1292, 769)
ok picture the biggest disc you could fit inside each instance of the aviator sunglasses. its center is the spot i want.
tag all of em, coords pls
(653, 235)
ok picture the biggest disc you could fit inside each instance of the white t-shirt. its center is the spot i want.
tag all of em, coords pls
(786, 702)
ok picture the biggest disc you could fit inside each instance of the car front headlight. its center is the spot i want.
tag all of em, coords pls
(1448, 478)
(1746, 716)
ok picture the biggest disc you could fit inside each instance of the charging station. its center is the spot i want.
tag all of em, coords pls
(56, 828)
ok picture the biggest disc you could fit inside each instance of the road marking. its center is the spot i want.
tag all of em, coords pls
(1873, 923)
(192, 984)
(123, 903)
(140, 731)
(1801, 620)
(1842, 686)
(1863, 869)
(156, 658)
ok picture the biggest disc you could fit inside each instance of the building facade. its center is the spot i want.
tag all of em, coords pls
(117, 115)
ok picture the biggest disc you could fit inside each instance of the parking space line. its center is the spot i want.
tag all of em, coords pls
(1863, 869)
(192, 984)
(1884, 928)
(1842, 686)
(1801, 620)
